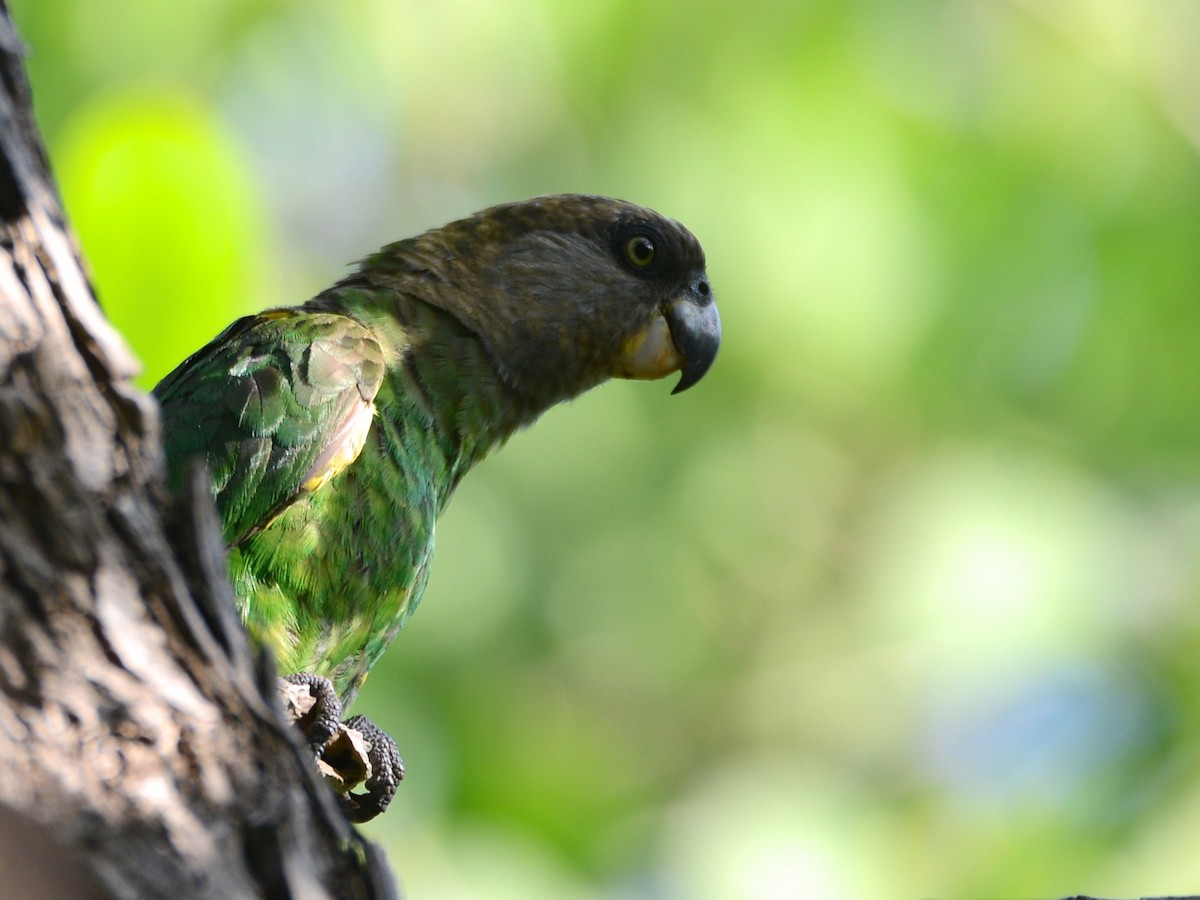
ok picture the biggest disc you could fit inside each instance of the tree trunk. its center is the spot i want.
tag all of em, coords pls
(144, 750)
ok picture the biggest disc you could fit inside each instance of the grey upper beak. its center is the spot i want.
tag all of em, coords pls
(696, 331)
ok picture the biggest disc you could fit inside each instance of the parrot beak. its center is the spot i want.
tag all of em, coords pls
(684, 337)
(695, 331)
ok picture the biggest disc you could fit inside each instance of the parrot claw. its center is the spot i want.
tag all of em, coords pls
(314, 706)
(387, 769)
(348, 753)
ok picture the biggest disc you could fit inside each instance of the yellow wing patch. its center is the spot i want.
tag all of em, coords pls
(272, 315)
(343, 448)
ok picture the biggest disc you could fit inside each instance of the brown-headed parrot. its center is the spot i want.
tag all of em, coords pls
(336, 431)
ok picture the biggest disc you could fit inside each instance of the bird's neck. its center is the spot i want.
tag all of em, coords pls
(441, 387)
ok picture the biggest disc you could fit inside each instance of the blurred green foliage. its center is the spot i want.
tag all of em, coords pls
(902, 600)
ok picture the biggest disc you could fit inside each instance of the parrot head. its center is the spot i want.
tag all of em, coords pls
(566, 291)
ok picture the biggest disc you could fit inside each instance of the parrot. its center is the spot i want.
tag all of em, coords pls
(336, 431)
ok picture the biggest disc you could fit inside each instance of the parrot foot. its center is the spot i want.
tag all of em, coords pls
(348, 753)
(387, 769)
(314, 707)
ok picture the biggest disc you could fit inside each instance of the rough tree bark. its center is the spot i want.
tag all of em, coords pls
(142, 750)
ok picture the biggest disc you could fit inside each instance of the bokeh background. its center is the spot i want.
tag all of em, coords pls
(902, 600)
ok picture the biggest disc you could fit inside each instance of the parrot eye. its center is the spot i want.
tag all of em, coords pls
(639, 250)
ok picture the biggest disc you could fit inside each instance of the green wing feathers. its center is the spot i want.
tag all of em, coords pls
(276, 405)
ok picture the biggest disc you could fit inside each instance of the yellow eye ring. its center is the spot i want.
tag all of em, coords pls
(640, 251)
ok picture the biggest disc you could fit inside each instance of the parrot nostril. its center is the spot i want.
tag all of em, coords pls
(702, 289)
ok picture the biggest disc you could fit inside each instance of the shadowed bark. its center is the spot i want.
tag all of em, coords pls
(145, 753)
